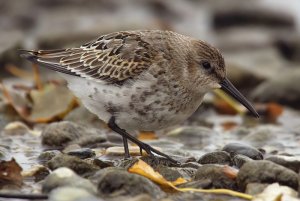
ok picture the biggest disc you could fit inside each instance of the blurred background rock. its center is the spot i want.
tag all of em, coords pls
(259, 38)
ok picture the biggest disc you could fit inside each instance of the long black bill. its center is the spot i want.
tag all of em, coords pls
(228, 87)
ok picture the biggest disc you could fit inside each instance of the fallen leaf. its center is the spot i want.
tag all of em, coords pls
(228, 125)
(230, 172)
(50, 103)
(10, 173)
(270, 111)
(147, 171)
(144, 135)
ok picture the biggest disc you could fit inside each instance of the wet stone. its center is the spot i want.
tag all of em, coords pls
(266, 172)
(217, 157)
(16, 128)
(47, 155)
(243, 149)
(39, 172)
(291, 162)
(255, 188)
(171, 174)
(91, 141)
(216, 174)
(114, 182)
(190, 165)
(76, 164)
(239, 160)
(68, 193)
(66, 177)
(200, 184)
(82, 153)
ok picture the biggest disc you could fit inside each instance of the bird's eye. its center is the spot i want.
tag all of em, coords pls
(206, 65)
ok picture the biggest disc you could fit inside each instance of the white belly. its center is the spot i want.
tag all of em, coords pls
(132, 109)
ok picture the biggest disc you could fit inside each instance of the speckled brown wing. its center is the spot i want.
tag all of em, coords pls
(112, 58)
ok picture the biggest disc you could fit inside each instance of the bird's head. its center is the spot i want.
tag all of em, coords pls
(208, 66)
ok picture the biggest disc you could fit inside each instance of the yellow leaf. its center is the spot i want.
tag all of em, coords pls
(147, 171)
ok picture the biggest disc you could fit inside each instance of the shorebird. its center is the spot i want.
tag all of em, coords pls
(141, 80)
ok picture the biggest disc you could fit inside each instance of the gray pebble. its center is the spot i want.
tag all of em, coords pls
(217, 157)
(266, 172)
(243, 149)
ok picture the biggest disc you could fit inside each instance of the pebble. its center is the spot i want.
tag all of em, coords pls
(171, 174)
(112, 182)
(39, 172)
(266, 172)
(82, 153)
(63, 133)
(47, 155)
(192, 136)
(243, 149)
(239, 160)
(215, 173)
(119, 151)
(216, 157)
(16, 128)
(277, 192)
(65, 177)
(291, 162)
(68, 193)
(76, 164)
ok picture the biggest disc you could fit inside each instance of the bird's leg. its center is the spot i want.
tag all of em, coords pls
(126, 149)
(150, 150)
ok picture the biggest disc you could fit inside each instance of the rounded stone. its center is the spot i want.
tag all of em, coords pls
(76, 164)
(66, 177)
(266, 172)
(217, 176)
(217, 157)
(243, 149)
(113, 182)
(68, 193)
(291, 162)
(47, 155)
(239, 160)
(82, 153)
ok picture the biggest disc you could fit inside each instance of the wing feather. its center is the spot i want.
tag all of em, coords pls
(112, 58)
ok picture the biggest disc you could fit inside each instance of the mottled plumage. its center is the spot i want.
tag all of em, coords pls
(140, 80)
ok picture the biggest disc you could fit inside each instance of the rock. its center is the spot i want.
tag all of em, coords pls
(281, 89)
(68, 193)
(194, 165)
(200, 184)
(7, 115)
(82, 153)
(275, 192)
(91, 141)
(3, 152)
(76, 164)
(255, 188)
(62, 133)
(113, 182)
(217, 157)
(16, 128)
(248, 14)
(119, 151)
(142, 197)
(266, 172)
(81, 115)
(217, 175)
(39, 172)
(239, 160)
(171, 174)
(65, 177)
(261, 135)
(243, 149)
(192, 136)
(291, 162)
(47, 155)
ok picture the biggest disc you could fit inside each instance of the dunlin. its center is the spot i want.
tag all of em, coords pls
(141, 80)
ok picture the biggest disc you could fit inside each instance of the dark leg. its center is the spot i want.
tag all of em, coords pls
(150, 150)
(126, 149)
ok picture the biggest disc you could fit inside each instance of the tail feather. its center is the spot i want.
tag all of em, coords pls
(48, 58)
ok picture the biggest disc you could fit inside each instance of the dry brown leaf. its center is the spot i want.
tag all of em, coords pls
(10, 173)
(50, 103)
(143, 135)
(147, 171)
(228, 125)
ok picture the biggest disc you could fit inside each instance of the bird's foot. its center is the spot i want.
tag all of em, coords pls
(150, 151)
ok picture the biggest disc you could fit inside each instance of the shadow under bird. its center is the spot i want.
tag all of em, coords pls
(141, 80)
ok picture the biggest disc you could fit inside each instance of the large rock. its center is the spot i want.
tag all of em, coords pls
(266, 172)
(114, 182)
(63, 133)
(243, 149)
